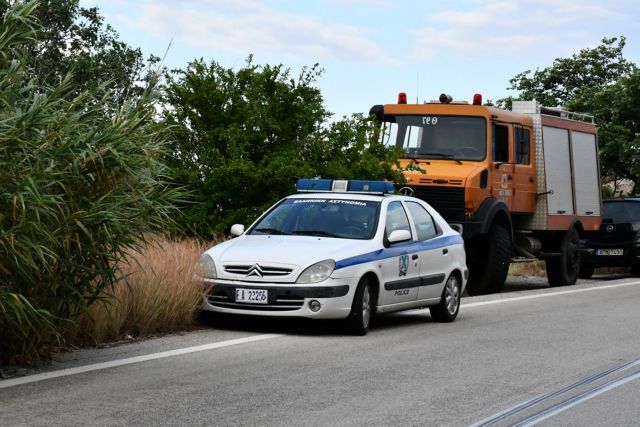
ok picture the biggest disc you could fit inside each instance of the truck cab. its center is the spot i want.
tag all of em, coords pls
(484, 169)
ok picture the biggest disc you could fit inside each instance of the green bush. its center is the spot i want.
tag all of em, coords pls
(243, 137)
(76, 192)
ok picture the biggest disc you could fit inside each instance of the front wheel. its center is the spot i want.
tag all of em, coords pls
(360, 317)
(563, 270)
(449, 305)
(488, 259)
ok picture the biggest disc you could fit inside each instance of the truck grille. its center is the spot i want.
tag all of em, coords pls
(449, 202)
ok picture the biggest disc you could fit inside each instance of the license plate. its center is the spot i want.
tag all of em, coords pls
(252, 296)
(617, 252)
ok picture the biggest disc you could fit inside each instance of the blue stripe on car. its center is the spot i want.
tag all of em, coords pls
(439, 242)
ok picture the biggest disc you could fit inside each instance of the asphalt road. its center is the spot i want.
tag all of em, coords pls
(563, 356)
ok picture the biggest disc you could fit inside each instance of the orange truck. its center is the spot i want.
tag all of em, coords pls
(519, 184)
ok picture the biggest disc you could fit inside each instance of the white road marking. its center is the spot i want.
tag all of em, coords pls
(130, 360)
(547, 295)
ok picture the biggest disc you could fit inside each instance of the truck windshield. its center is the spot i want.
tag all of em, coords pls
(437, 137)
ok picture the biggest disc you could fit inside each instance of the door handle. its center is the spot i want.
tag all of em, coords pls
(414, 257)
(445, 251)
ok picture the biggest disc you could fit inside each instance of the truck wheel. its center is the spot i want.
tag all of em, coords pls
(360, 317)
(449, 305)
(488, 261)
(563, 270)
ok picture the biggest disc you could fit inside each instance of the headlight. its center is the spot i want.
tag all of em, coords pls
(207, 266)
(317, 272)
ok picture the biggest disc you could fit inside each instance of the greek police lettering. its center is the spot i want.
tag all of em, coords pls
(401, 292)
(309, 201)
(348, 202)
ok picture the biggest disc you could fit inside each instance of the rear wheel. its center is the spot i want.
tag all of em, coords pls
(361, 309)
(449, 305)
(563, 270)
(488, 259)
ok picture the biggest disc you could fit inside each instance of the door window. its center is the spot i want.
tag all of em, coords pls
(396, 218)
(425, 226)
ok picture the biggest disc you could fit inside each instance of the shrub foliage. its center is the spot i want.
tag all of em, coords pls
(242, 138)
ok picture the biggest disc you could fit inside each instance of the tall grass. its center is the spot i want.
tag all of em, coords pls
(79, 191)
(160, 294)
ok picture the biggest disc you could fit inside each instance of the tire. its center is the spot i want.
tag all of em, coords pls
(563, 270)
(586, 271)
(635, 270)
(449, 305)
(359, 319)
(488, 259)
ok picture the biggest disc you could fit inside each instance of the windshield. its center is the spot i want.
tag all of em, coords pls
(622, 211)
(434, 136)
(345, 219)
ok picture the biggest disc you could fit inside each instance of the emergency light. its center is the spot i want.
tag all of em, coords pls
(307, 185)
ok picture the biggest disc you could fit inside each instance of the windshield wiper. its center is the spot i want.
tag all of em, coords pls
(269, 231)
(443, 155)
(316, 233)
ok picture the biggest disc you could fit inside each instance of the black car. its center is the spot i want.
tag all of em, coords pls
(617, 243)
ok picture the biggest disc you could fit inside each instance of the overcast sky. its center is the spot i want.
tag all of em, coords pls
(373, 49)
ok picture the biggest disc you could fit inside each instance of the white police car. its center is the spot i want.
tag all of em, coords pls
(339, 249)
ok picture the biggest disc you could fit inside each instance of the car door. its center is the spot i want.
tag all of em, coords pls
(433, 257)
(399, 267)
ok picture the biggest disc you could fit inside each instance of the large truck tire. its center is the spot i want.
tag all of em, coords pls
(563, 270)
(488, 261)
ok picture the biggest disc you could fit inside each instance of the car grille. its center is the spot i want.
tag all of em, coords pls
(449, 202)
(226, 299)
(257, 270)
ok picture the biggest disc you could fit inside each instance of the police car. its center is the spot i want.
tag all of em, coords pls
(339, 250)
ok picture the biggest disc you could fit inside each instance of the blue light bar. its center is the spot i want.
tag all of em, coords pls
(313, 185)
(306, 185)
(371, 187)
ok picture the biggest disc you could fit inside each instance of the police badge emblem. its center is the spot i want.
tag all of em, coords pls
(404, 264)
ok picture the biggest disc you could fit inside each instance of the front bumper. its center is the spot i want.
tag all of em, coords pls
(284, 300)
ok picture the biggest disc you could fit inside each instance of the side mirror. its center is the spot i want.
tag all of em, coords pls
(399, 236)
(237, 229)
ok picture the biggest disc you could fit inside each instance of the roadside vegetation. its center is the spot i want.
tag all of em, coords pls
(159, 292)
(114, 171)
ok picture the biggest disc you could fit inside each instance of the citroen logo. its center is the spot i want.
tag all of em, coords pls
(609, 228)
(255, 271)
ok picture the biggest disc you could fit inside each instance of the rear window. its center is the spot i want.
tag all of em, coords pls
(622, 211)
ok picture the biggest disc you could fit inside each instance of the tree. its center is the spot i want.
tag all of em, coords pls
(242, 138)
(601, 82)
(77, 191)
(75, 41)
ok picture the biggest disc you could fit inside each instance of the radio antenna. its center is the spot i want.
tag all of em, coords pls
(417, 86)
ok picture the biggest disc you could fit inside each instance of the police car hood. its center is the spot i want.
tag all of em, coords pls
(293, 252)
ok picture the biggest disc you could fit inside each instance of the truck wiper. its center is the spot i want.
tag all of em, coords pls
(443, 155)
